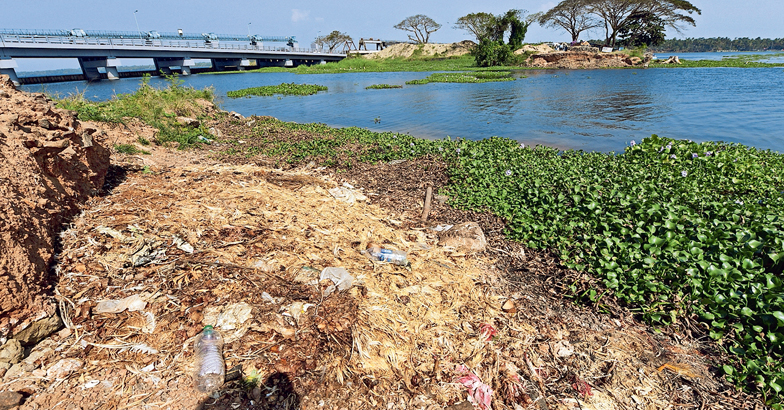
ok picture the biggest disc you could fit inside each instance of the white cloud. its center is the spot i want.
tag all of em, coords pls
(319, 19)
(299, 15)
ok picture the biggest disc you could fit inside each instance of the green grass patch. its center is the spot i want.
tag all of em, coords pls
(382, 86)
(739, 61)
(471, 77)
(673, 229)
(282, 89)
(157, 107)
(129, 149)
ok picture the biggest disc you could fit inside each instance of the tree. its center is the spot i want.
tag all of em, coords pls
(645, 29)
(421, 25)
(332, 40)
(618, 13)
(517, 26)
(572, 16)
(491, 50)
(479, 24)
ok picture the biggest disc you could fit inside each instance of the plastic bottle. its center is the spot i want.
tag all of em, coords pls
(387, 255)
(210, 369)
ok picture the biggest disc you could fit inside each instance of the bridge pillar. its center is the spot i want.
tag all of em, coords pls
(289, 63)
(166, 64)
(8, 67)
(90, 67)
(323, 61)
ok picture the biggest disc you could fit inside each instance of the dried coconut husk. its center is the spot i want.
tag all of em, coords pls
(399, 335)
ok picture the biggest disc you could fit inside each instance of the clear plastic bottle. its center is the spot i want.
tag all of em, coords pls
(210, 369)
(387, 255)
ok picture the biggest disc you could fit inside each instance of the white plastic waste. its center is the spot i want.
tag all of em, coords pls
(132, 303)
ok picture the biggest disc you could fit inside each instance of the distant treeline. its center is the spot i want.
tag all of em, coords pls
(692, 45)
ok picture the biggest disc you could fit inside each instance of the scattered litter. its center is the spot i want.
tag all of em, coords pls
(339, 276)
(111, 232)
(229, 317)
(149, 322)
(380, 254)
(127, 347)
(210, 369)
(442, 228)
(91, 384)
(479, 394)
(347, 195)
(182, 245)
(679, 369)
(267, 298)
(203, 139)
(147, 253)
(132, 303)
(150, 367)
(396, 161)
(466, 237)
(296, 309)
(563, 348)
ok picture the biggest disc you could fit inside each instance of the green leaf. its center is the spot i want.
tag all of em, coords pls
(728, 369)
(754, 244)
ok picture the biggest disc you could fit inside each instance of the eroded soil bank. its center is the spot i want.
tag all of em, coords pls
(204, 237)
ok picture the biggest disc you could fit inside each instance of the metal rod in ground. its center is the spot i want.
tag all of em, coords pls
(428, 200)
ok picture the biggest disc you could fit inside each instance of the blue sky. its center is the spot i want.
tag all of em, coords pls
(366, 18)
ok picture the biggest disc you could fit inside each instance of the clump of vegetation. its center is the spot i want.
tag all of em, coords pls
(282, 89)
(158, 107)
(129, 149)
(676, 230)
(382, 86)
(473, 77)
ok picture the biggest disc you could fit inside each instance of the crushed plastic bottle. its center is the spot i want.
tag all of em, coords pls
(210, 369)
(387, 255)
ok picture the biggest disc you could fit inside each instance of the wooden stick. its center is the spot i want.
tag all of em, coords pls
(428, 200)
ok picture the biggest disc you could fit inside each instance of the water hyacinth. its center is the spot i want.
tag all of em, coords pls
(709, 153)
(440, 149)
(522, 145)
(508, 172)
(669, 146)
(633, 143)
(739, 202)
(673, 156)
(412, 144)
(458, 150)
(694, 155)
(684, 173)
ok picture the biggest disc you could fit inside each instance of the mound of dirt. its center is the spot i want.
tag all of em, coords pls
(539, 48)
(405, 50)
(581, 59)
(50, 164)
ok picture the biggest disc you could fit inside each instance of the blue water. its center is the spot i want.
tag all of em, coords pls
(592, 110)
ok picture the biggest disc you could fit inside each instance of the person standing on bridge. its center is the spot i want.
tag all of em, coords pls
(361, 44)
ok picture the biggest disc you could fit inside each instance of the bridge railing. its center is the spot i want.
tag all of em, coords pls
(149, 43)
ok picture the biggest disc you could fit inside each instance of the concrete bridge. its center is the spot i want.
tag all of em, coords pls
(170, 52)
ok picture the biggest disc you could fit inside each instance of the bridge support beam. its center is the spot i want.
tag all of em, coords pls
(289, 63)
(90, 67)
(8, 67)
(323, 62)
(165, 65)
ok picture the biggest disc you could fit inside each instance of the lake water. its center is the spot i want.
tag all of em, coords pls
(592, 110)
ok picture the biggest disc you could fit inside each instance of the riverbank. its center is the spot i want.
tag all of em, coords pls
(198, 231)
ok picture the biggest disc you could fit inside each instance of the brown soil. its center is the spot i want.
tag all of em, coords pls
(396, 340)
(49, 164)
(581, 59)
(404, 50)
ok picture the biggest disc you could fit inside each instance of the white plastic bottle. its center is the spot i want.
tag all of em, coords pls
(210, 369)
(387, 255)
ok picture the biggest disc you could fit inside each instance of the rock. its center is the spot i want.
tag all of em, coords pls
(228, 317)
(190, 122)
(672, 60)
(9, 400)
(236, 115)
(441, 199)
(216, 132)
(39, 373)
(39, 330)
(4, 368)
(4, 94)
(466, 237)
(11, 352)
(15, 371)
(45, 124)
(63, 368)
(509, 306)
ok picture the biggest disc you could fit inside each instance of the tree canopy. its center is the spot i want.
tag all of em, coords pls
(420, 25)
(616, 15)
(481, 25)
(645, 29)
(570, 15)
(332, 40)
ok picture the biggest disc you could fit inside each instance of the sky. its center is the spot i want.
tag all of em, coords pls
(358, 18)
